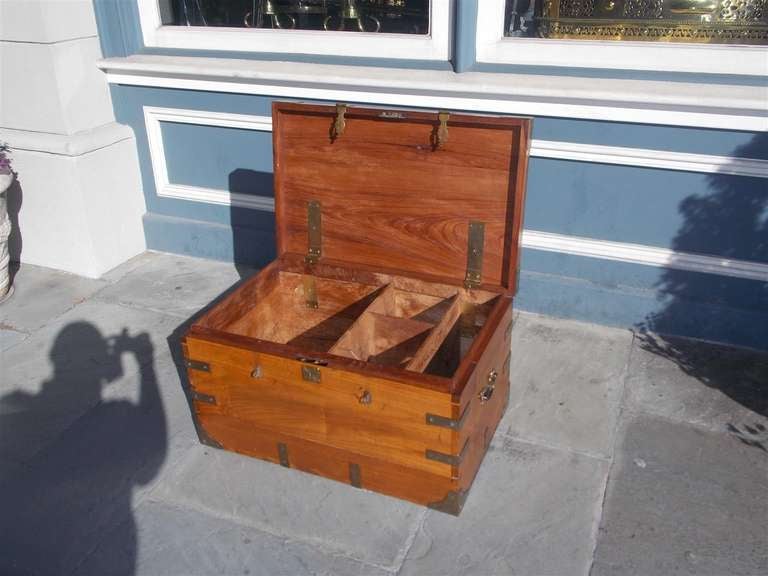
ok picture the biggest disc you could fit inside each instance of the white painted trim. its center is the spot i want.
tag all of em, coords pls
(76, 144)
(433, 46)
(494, 48)
(645, 255)
(666, 160)
(165, 189)
(220, 197)
(730, 107)
(547, 241)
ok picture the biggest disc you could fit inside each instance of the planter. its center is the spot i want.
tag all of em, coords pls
(5, 231)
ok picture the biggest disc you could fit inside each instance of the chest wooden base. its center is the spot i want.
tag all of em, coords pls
(385, 382)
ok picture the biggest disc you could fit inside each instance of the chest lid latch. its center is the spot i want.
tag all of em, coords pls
(475, 244)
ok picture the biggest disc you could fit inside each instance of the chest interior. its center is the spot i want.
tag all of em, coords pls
(378, 318)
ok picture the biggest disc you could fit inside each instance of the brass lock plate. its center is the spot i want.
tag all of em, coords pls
(310, 373)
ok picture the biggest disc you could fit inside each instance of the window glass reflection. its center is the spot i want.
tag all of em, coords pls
(702, 21)
(385, 16)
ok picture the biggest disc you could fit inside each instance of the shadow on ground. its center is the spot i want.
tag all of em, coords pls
(60, 501)
(731, 222)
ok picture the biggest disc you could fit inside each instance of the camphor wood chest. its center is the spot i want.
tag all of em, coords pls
(375, 350)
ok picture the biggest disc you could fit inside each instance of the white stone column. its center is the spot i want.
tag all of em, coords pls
(78, 172)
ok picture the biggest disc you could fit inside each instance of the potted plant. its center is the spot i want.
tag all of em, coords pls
(6, 179)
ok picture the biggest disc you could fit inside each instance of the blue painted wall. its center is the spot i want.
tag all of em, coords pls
(231, 159)
(710, 214)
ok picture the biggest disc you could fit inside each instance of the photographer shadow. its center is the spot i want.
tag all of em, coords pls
(79, 487)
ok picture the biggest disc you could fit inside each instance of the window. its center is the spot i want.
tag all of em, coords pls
(712, 21)
(387, 29)
(699, 36)
(384, 16)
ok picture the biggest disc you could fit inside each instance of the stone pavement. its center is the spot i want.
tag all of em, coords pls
(619, 454)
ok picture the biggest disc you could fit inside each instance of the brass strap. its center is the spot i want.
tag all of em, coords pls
(282, 453)
(435, 420)
(354, 475)
(198, 365)
(475, 245)
(201, 397)
(451, 459)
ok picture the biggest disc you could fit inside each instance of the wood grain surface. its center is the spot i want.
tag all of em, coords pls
(389, 198)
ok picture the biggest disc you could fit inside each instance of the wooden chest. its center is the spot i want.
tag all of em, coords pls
(375, 350)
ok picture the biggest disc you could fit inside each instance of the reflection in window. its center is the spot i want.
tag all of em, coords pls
(389, 16)
(710, 21)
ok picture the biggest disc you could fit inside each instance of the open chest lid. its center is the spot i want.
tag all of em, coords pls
(427, 193)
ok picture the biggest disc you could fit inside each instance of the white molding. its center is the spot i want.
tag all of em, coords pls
(729, 107)
(493, 47)
(165, 189)
(664, 159)
(75, 144)
(433, 46)
(220, 197)
(547, 241)
(645, 255)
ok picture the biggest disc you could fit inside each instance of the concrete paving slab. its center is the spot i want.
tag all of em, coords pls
(566, 383)
(41, 295)
(682, 500)
(163, 540)
(532, 510)
(705, 384)
(10, 338)
(61, 371)
(363, 525)
(177, 285)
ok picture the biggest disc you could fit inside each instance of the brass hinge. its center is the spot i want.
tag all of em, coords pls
(339, 123)
(314, 251)
(442, 131)
(310, 291)
(475, 245)
(314, 232)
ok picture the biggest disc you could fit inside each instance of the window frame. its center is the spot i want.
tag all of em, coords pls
(492, 47)
(435, 46)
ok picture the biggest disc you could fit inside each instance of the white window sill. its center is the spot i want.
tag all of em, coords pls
(733, 107)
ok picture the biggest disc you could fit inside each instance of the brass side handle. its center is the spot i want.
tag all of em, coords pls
(487, 392)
